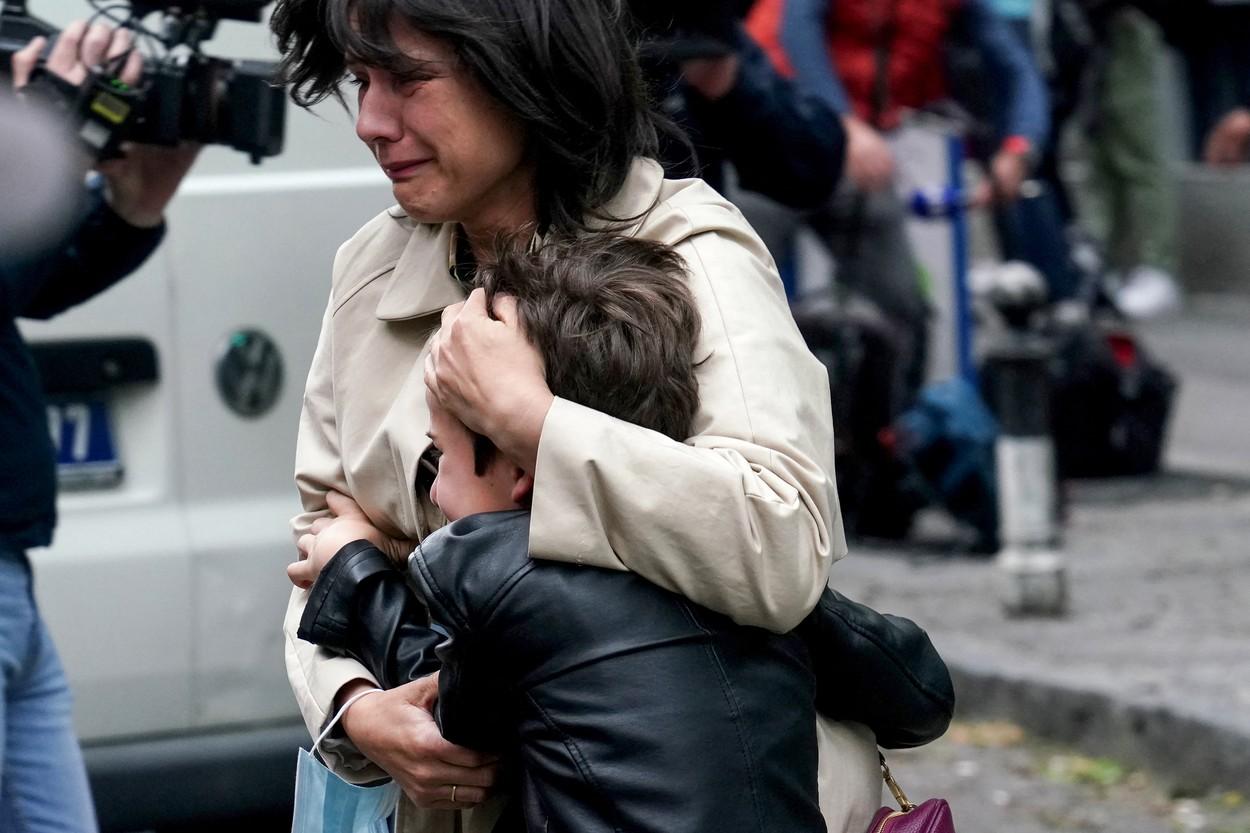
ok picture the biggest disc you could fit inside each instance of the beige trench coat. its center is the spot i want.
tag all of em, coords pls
(742, 518)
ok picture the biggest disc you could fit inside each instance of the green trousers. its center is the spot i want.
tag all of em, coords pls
(1130, 171)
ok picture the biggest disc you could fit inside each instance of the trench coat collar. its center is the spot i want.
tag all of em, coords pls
(639, 194)
(422, 284)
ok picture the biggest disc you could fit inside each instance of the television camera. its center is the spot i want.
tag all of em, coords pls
(183, 95)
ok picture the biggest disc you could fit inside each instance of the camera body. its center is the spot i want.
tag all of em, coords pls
(184, 95)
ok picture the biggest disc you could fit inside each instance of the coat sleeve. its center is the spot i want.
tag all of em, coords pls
(315, 674)
(803, 28)
(1024, 96)
(742, 518)
(101, 251)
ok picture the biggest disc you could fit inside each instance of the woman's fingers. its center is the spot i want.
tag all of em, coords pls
(432, 789)
(431, 375)
(504, 308)
(301, 573)
(396, 730)
(450, 312)
(319, 525)
(306, 544)
(464, 796)
(475, 305)
(342, 506)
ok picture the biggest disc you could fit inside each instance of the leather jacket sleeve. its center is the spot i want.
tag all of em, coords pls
(879, 670)
(362, 607)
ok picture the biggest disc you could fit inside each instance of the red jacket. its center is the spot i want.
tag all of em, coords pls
(911, 33)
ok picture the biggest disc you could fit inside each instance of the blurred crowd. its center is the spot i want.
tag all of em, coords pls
(1074, 117)
(1033, 83)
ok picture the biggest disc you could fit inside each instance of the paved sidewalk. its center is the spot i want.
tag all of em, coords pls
(1152, 664)
(1208, 347)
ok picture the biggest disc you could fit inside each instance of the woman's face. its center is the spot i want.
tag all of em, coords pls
(452, 153)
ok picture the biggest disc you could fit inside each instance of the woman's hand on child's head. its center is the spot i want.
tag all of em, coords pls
(486, 373)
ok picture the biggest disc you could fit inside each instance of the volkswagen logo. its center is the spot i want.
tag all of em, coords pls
(249, 373)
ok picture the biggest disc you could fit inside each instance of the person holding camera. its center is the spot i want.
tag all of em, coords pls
(43, 784)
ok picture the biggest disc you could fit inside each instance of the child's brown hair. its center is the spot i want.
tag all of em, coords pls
(614, 322)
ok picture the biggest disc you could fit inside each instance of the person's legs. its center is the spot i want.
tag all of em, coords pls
(1140, 215)
(867, 236)
(43, 784)
(1131, 171)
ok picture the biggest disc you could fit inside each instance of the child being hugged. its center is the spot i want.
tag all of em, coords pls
(624, 706)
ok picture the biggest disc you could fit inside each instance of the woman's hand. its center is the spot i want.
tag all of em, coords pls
(347, 523)
(396, 730)
(486, 373)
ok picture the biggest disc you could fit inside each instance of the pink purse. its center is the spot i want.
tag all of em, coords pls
(932, 816)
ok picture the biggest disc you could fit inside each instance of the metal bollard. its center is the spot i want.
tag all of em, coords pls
(1032, 578)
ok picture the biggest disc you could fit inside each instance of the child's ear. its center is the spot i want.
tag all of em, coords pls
(522, 487)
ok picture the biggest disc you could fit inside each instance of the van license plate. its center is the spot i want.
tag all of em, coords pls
(86, 456)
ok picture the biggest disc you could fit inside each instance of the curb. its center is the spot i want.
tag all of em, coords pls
(1194, 754)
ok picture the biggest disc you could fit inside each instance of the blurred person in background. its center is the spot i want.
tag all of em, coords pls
(871, 61)
(1213, 37)
(717, 84)
(1130, 170)
(735, 109)
(1032, 229)
(1102, 60)
(43, 784)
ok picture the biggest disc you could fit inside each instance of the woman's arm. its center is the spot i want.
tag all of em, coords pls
(316, 677)
(743, 518)
(396, 731)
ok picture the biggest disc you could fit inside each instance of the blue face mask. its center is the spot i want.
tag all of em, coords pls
(325, 803)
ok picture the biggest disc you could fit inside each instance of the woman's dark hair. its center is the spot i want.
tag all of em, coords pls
(566, 69)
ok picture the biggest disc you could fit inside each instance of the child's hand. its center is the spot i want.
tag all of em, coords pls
(329, 535)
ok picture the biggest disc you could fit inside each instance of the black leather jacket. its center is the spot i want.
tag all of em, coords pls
(627, 707)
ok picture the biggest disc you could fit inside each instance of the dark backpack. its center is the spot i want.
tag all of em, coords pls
(1110, 401)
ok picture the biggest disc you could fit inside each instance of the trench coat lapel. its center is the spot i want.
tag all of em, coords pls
(421, 284)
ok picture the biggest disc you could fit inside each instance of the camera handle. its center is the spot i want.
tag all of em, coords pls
(102, 107)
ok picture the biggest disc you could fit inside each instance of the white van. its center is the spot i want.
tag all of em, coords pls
(177, 396)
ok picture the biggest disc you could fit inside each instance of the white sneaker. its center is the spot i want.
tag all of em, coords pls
(1148, 293)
